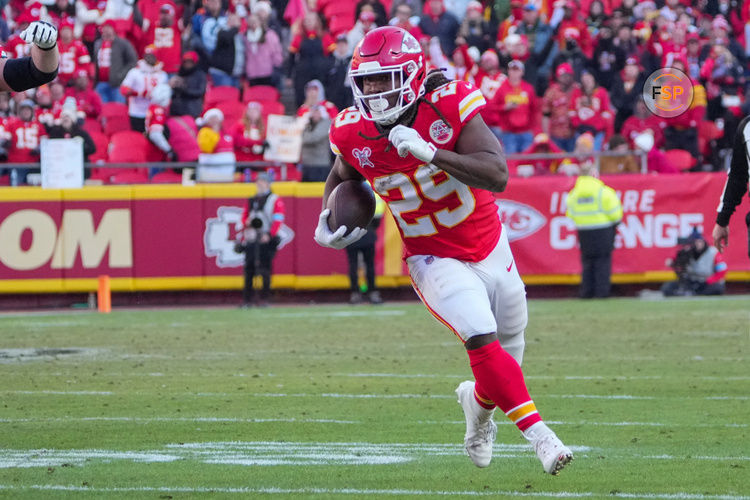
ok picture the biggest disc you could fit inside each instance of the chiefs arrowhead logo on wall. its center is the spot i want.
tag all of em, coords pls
(520, 220)
(220, 235)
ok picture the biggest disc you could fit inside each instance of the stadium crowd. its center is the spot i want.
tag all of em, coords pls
(171, 80)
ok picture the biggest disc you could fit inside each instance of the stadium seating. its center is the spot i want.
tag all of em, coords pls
(233, 111)
(708, 132)
(102, 144)
(92, 125)
(222, 93)
(272, 108)
(114, 118)
(680, 158)
(128, 146)
(260, 93)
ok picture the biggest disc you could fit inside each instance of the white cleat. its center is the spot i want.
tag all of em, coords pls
(553, 454)
(480, 429)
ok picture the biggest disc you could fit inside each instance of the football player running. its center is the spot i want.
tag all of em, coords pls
(24, 73)
(419, 140)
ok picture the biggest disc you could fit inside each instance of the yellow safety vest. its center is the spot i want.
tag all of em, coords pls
(592, 204)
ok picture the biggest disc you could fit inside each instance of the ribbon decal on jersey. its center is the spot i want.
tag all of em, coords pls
(363, 156)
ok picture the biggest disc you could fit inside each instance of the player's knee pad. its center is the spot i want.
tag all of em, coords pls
(514, 344)
(511, 313)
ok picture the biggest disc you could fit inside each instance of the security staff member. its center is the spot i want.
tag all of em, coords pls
(735, 187)
(25, 73)
(596, 211)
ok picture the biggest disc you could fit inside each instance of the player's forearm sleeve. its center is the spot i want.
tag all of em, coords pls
(21, 74)
(737, 179)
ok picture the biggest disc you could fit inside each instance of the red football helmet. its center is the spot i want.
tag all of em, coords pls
(390, 52)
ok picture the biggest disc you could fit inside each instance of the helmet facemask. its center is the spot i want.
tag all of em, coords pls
(385, 107)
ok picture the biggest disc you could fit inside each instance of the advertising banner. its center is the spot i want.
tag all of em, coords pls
(175, 237)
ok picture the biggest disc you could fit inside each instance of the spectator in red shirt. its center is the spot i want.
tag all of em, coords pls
(87, 100)
(519, 109)
(475, 31)
(488, 78)
(73, 54)
(249, 134)
(166, 39)
(541, 145)
(641, 121)
(657, 161)
(555, 106)
(24, 133)
(315, 95)
(590, 110)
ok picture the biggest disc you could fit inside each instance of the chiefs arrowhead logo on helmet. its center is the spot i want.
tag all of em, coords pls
(389, 54)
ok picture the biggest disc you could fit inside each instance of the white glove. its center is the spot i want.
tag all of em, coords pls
(337, 240)
(407, 140)
(43, 34)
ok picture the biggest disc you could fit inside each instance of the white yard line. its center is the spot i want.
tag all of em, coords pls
(371, 492)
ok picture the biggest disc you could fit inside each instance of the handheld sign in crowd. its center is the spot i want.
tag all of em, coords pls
(284, 136)
(61, 163)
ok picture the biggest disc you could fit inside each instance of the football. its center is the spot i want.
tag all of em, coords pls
(352, 204)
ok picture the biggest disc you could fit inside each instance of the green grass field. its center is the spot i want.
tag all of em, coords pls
(358, 402)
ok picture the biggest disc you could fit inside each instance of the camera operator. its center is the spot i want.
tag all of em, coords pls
(700, 268)
(261, 221)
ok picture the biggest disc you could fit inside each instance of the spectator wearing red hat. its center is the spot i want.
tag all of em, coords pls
(73, 54)
(519, 110)
(151, 11)
(475, 31)
(641, 121)
(138, 85)
(437, 21)
(16, 46)
(188, 87)
(542, 144)
(114, 57)
(24, 133)
(573, 32)
(249, 134)
(627, 90)
(264, 55)
(165, 36)
(721, 35)
(590, 110)
(489, 78)
(556, 120)
(87, 100)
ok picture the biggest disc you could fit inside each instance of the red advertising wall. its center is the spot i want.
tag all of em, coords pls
(174, 237)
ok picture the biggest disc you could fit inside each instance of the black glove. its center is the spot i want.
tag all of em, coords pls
(171, 155)
(3, 154)
(239, 247)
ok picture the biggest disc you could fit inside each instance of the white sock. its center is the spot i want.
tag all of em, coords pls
(536, 431)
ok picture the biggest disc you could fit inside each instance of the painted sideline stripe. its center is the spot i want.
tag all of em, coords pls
(381, 492)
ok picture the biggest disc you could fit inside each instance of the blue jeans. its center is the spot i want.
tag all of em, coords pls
(565, 144)
(222, 79)
(598, 140)
(109, 93)
(516, 143)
